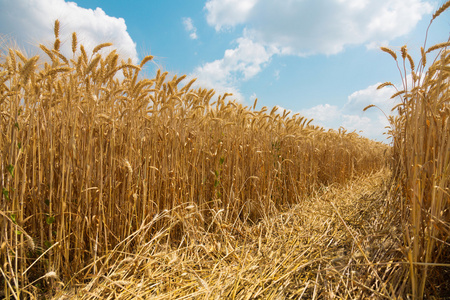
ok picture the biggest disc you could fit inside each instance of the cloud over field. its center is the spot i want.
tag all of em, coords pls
(371, 123)
(31, 22)
(319, 26)
(240, 63)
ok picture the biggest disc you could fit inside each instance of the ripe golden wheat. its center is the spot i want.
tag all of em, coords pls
(95, 159)
(421, 149)
(86, 158)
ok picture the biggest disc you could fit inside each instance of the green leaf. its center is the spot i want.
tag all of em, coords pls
(216, 183)
(47, 202)
(6, 193)
(19, 145)
(221, 160)
(217, 173)
(10, 169)
(50, 220)
(13, 218)
(47, 244)
(18, 232)
(16, 125)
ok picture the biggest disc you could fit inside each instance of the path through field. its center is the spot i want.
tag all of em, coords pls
(340, 243)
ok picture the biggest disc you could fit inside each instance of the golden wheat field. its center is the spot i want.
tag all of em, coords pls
(117, 186)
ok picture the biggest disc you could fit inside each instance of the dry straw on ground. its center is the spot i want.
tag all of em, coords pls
(327, 247)
(118, 186)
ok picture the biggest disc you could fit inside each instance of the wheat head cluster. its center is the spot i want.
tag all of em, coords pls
(92, 152)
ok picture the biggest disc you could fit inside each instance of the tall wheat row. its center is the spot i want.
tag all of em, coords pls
(421, 134)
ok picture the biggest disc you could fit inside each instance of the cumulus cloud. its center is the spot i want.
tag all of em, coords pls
(358, 100)
(228, 13)
(323, 114)
(238, 64)
(190, 28)
(30, 22)
(243, 62)
(370, 123)
(320, 26)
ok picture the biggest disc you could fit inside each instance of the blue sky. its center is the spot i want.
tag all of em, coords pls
(317, 57)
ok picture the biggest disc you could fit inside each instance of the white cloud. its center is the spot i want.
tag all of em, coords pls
(370, 123)
(31, 22)
(190, 28)
(323, 114)
(240, 63)
(375, 45)
(320, 26)
(358, 100)
(228, 13)
(354, 122)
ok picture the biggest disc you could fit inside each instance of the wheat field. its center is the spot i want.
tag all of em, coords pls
(117, 186)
